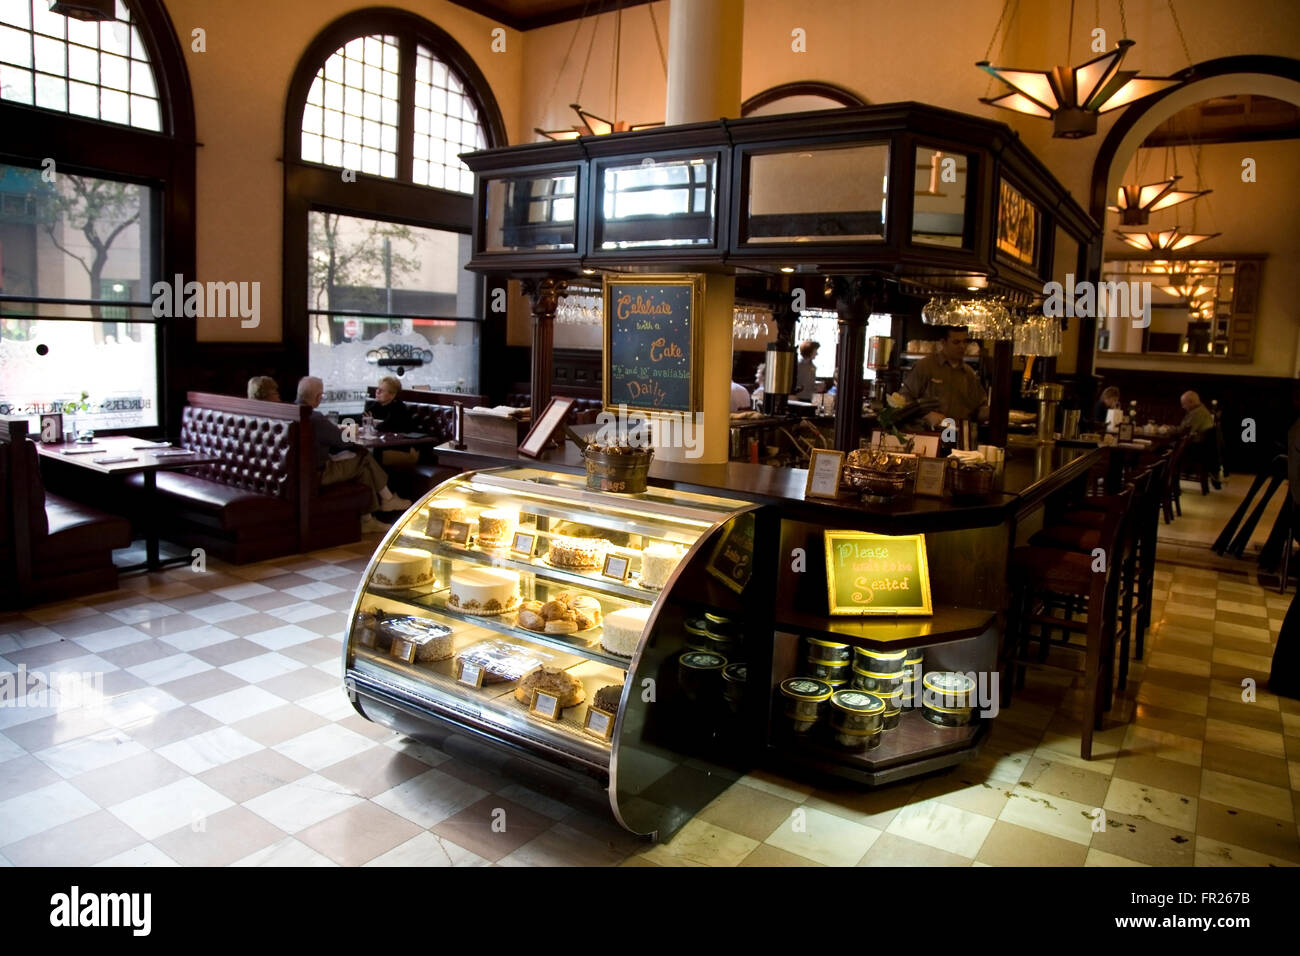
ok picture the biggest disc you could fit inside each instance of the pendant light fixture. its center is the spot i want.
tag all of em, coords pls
(1169, 240)
(1135, 204)
(593, 125)
(1072, 97)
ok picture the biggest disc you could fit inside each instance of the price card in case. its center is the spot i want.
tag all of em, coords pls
(599, 723)
(523, 544)
(469, 674)
(544, 705)
(403, 650)
(458, 533)
(436, 527)
(616, 567)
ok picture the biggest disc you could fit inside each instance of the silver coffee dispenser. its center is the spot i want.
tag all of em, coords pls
(778, 377)
(1049, 399)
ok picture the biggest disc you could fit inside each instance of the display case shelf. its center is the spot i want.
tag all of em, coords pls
(537, 567)
(947, 623)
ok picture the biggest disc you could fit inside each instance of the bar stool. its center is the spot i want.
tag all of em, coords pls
(1045, 577)
(1080, 529)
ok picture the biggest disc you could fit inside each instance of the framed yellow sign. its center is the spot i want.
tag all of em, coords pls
(877, 574)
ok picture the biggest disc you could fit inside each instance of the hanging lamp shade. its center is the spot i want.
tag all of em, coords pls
(1073, 97)
(1169, 240)
(592, 125)
(1136, 203)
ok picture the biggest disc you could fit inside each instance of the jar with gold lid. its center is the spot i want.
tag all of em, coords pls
(879, 662)
(819, 650)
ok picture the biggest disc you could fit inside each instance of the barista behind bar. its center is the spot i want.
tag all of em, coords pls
(946, 378)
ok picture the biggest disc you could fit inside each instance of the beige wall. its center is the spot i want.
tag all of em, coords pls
(240, 85)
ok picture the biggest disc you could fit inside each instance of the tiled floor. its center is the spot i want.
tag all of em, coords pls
(224, 737)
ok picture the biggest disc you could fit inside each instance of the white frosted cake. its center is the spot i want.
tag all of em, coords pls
(403, 568)
(443, 513)
(621, 631)
(657, 564)
(496, 527)
(581, 554)
(484, 590)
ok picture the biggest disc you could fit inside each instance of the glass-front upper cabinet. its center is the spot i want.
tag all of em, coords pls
(1018, 239)
(808, 194)
(657, 203)
(531, 213)
(939, 203)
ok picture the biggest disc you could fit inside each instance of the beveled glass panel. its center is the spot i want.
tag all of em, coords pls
(531, 213)
(818, 195)
(939, 198)
(664, 203)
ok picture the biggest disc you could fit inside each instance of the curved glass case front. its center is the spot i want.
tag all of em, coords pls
(517, 603)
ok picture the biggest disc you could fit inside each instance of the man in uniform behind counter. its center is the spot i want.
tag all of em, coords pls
(945, 377)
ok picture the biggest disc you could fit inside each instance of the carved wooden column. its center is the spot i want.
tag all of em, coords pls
(853, 301)
(544, 297)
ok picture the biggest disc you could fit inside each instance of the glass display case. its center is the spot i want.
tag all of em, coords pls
(518, 607)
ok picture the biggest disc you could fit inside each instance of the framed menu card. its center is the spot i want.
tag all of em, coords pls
(547, 424)
(824, 470)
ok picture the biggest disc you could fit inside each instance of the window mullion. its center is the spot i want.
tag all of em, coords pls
(406, 111)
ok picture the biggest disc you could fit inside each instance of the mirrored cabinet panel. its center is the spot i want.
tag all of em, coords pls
(817, 195)
(654, 203)
(939, 198)
(531, 213)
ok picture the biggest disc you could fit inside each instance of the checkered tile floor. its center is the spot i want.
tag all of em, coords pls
(224, 737)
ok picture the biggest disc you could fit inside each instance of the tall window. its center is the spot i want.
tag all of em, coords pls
(84, 209)
(379, 244)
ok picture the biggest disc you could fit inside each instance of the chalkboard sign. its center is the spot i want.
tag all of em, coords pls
(877, 573)
(732, 561)
(651, 334)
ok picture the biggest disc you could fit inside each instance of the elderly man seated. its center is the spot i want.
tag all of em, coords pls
(1204, 450)
(338, 460)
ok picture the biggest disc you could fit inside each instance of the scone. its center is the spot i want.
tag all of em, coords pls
(554, 681)
(566, 613)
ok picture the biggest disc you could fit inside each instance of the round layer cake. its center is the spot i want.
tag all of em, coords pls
(443, 513)
(496, 527)
(658, 563)
(621, 632)
(551, 680)
(403, 568)
(580, 554)
(486, 591)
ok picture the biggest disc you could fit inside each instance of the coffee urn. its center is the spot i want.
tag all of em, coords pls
(1049, 397)
(778, 377)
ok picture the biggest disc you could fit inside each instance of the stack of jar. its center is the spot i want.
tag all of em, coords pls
(947, 698)
(713, 647)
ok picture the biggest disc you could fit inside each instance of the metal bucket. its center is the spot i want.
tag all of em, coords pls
(620, 474)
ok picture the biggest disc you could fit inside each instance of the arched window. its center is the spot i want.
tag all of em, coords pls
(378, 206)
(96, 206)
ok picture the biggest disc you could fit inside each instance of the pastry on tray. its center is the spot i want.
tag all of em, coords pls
(554, 681)
(566, 613)
(608, 698)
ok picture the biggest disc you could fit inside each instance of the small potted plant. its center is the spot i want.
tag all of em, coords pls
(80, 407)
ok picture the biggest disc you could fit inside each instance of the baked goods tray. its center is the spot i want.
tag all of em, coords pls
(585, 644)
(495, 703)
(502, 558)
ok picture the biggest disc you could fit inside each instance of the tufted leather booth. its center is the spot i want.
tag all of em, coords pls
(263, 498)
(50, 547)
(433, 413)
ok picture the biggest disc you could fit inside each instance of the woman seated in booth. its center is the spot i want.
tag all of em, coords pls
(389, 412)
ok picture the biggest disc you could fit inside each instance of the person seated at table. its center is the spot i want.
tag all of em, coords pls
(389, 412)
(946, 378)
(756, 396)
(1199, 422)
(1109, 399)
(338, 460)
(263, 388)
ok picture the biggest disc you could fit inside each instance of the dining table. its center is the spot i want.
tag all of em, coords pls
(129, 455)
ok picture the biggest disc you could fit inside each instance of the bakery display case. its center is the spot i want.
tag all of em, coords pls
(582, 634)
